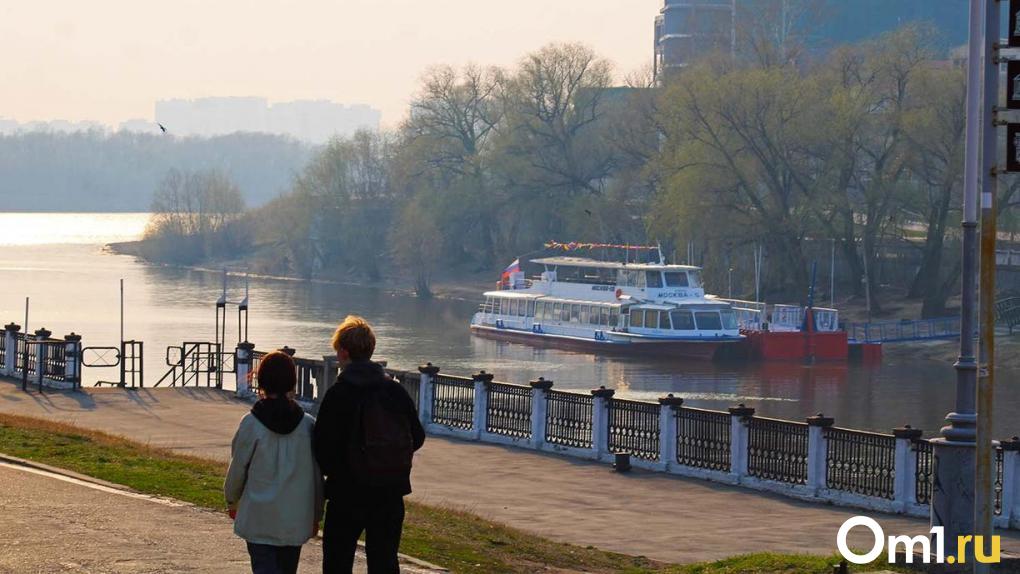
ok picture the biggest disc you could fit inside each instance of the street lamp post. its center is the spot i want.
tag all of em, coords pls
(952, 503)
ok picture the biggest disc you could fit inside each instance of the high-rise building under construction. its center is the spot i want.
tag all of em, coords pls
(687, 30)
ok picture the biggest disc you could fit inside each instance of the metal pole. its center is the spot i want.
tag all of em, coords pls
(832, 276)
(983, 497)
(953, 486)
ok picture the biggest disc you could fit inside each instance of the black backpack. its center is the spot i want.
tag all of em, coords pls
(382, 445)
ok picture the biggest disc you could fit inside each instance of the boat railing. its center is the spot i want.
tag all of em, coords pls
(791, 318)
(750, 314)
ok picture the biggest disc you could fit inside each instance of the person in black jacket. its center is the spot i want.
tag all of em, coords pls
(366, 431)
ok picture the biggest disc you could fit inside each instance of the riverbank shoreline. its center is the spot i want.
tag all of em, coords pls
(458, 286)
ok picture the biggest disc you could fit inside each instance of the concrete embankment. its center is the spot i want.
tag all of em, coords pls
(663, 517)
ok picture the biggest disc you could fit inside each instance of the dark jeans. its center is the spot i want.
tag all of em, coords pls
(381, 518)
(266, 559)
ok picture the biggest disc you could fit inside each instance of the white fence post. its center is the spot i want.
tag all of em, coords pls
(72, 359)
(668, 407)
(905, 475)
(481, 408)
(740, 416)
(817, 451)
(41, 352)
(539, 408)
(600, 422)
(10, 348)
(428, 372)
(1010, 482)
(242, 368)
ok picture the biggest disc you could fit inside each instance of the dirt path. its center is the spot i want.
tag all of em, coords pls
(663, 517)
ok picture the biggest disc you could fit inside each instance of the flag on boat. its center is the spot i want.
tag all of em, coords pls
(512, 268)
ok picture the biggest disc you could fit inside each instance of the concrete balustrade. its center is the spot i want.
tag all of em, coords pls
(812, 460)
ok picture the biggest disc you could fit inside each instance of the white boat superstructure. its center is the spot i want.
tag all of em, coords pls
(582, 301)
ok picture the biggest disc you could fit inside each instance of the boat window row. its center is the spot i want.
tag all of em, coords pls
(641, 279)
(683, 319)
(582, 314)
(586, 314)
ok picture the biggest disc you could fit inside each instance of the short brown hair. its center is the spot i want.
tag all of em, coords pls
(356, 337)
(277, 373)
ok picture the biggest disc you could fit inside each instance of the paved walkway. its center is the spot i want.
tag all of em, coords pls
(663, 517)
(51, 525)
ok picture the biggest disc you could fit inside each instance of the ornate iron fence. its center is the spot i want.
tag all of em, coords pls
(860, 462)
(777, 450)
(453, 401)
(703, 438)
(923, 471)
(3, 347)
(411, 381)
(308, 370)
(998, 481)
(509, 410)
(54, 361)
(568, 419)
(634, 428)
(21, 345)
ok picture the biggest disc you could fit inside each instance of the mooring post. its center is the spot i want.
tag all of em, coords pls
(10, 348)
(601, 404)
(740, 418)
(481, 380)
(428, 374)
(242, 366)
(817, 451)
(539, 410)
(669, 409)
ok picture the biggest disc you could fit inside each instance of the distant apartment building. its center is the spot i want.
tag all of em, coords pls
(313, 121)
(686, 30)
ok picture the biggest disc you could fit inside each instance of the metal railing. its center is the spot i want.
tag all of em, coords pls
(634, 428)
(308, 370)
(508, 410)
(860, 462)
(453, 401)
(54, 360)
(924, 471)
(568, 419)
(703, 438)
(411, 381)
(899, 331)
(777, 450)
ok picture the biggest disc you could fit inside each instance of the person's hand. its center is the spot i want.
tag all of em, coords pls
(315, 528)
(232, 511)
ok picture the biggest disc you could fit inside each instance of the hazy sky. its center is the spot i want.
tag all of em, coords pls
(110, 60)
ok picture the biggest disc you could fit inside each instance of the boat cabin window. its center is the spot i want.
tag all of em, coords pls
(682, 320)
(575, 313)
(614, 316)
(637, 317)
(663, 320)
(630, 278)
(729, 319)
(565, 313)
(557, 309)
(676, 279)
(588, 275)
(708, 320)
(695, 278)
(584, 314)
(531, 308)
(539, 307)
(653, 279)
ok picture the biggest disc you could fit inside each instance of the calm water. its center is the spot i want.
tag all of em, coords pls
(58, 261)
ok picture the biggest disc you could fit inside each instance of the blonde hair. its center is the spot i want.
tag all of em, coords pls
(355, 336)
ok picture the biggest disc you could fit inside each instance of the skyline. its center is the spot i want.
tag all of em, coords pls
(77, 63)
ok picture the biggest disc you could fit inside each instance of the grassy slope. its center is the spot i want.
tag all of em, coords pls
(459, 541)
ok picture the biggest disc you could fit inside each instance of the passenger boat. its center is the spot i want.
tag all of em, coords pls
(589, 304)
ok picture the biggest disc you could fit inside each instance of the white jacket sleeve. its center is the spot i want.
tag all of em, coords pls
(241, 450)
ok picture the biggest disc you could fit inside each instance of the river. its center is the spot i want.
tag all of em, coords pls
(58, 261)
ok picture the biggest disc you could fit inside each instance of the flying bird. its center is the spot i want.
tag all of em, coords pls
(588, 212)
(161, 126)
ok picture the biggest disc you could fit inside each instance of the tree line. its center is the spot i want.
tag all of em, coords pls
(860, 151)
